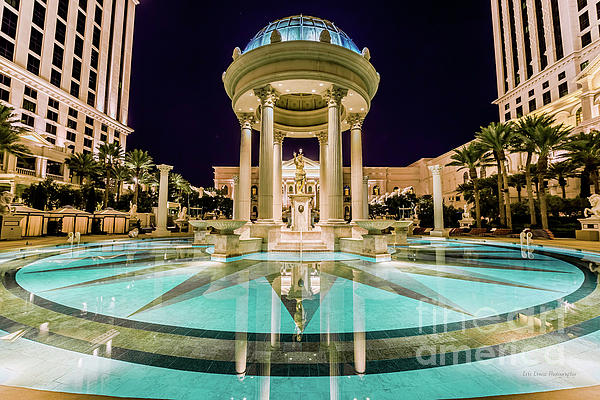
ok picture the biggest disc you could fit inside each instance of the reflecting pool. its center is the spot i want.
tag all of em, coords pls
(159, 319)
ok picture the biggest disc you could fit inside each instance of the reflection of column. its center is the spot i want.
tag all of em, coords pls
(241, 335)
(360, 346)
(335, 175)
(161, 218)
(356, 168)
(438, 209)
(323, 197)
(267, 96)
(365, 193)
(277, 203)
(236, 197)
(246, 121)
(275, 312)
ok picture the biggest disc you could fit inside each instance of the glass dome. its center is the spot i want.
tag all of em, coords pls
(301, 27)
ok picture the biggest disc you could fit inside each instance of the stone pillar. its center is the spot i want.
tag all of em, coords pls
(246, 121)
(335, 173)
(163, 190)
(41, 163)
(323, 197)
(438, 208)
(267, 96)
(365, 193)
(66, 173)
(277, 198)
(236, 197)
(11, 165)
(356, 169)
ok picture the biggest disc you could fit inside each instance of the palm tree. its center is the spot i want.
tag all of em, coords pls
(583, 150)
(545, 140)
(518, 181)
(83, 165)
(496, 139)
(470, 157)
(181, 185)
(139, 162)
(561, 171)
(121, 173)
(109, 155)
(11, 131)
(524, 129)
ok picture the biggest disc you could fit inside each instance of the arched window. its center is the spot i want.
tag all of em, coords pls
(310, 189)
(254, 190)
(346, 190)
(254, 212)
(578, 117)
(465, 177)
(291, 189)
(347, 213)
(376, 190)
(225, 190)
(395, 188)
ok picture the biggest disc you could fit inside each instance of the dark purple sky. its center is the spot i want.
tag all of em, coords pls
(435, 58)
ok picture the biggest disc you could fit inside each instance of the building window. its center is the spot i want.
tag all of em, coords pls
(96, 37)
(73, 112)
(253, 191)
(14, 3)
(545, 85)
(39, 15)
(531, 93)
(91, 99)
(513, 40)
(519, 111)
(89, 120)
(518, 101)
(547, 97)
(578, 117)
(51, 140)
(98, 16)
(586, 39)
(83, 4)
(558, 44)
(526, 38)
(76, 74)
(562, 76)
(376, 190)
(36, 40)
(74, 89)
(50, 129)
(346, 190)
(93, 80)
(103, 137)
(584, 21)
(94, 59)
(55, 78)
(33, 64)
(53, 103)
(29, 105)
(63, 9)
(504, 66)
(117, 134)
(4, 95)
(57, 56)
(584, 64)
(7, 49)
(61, 32)
(507, 106)
(87, 142)
(507, 116)
(27, 119)
(581, 4)
(532, 105)
(9, 23)
(291, 189)
(72, 136)
(71, 124)
(78, 50)
(89, 131)
(104, 128)
(81, 23)
(539, 22)
(563, 89)
(30, 92)
(52, 115)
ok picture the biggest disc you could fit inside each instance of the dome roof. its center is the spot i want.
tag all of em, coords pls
(301, 27)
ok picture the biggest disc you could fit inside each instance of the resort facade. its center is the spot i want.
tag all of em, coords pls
(65, 68)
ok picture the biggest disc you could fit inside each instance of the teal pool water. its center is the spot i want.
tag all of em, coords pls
(159, 319)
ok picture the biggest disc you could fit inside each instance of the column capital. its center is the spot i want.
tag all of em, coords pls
(322, 136)
(334, 95)
(278, 137)
(236, 179)
(267, 95)
(435, 169)
(164, 168)
(365, 179)
(355, 120)
(246, 120)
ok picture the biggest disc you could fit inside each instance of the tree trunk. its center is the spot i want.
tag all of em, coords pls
(473, 173)
(584, 191)
(500, 195)
(595, 180)
(564, 190)
(528, 185)
(135, 193)
(506, 193)
(106, 189)
(519, 193)
(542, 163)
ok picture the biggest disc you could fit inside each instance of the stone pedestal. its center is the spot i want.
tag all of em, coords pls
(466, 223)
(301, 212)
(200, 236)
(10, 230)
(226, 246)
(401, 231)
(590, 229)
(376, 246)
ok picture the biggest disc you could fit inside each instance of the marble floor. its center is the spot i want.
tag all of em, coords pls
(159, 319)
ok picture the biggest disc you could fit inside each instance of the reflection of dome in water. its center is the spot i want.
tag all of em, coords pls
(301, 27)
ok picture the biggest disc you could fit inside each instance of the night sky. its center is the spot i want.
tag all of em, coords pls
(435, 58)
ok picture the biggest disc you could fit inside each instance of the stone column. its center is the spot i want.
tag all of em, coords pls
(236, 197)
(246, 121)
(365, 193)
(277, 198)
(438, 208)
(267, 96)
(161, 217)
(356, 169)
(323, 198)
(335, 173)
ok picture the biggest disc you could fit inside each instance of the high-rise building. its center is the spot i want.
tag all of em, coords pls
(65, 68)
(547, 59)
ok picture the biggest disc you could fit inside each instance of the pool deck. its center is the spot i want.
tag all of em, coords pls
(567, 243)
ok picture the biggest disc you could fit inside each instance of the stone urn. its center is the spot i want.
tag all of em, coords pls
(374, 243)
(226, 226)
(374, 226)
(200, 231)
(401, 229)
(227, 243)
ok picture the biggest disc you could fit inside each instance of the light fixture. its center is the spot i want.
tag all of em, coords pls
(251, 109)
(350, 108)
(280, 84)
(362, 109)
(314, 90)
(287, 90)
(321, 84)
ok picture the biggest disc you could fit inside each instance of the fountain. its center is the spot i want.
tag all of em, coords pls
(373, 244)
(200, 231)
(401, 229)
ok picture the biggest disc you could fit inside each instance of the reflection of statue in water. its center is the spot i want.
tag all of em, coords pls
(299, 319)
(300, 173)
(6, 199)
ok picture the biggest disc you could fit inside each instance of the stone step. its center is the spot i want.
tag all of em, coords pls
(306, 245)
(295, 236)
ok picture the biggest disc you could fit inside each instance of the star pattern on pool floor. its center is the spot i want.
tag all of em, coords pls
(209, 277)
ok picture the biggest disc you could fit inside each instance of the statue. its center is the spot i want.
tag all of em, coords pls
(6, 199)
(300, 173)
(132, 209)
(466, 213)
(182, 214)
(591, 212)
(407, 190)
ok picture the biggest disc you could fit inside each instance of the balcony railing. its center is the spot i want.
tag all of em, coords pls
(25, 171)
(55, 177)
